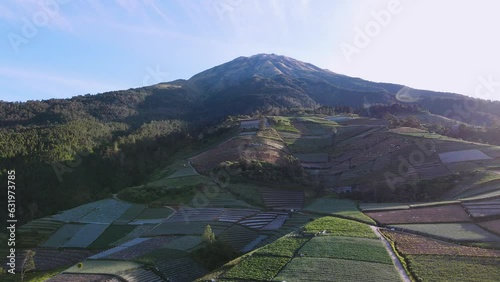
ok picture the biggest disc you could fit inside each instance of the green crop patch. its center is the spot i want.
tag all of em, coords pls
(155, 213)
(345, 208)
(360, 249)
(110, 235)
(284, 247)
(340, 227)
(454, 268)
(257, 268)
(327, 269)
(130, 214)
(183, 243)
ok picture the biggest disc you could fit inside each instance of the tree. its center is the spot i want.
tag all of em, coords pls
(208, 236)
(28, 263)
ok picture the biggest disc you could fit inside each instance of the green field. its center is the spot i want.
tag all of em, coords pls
(285, 247)
(154, 213)
(340, 227)
(257, 268)
(327, 269)
(183, 172)
(37, 231)
(359, 249)
(130, 214)
(344, 208)
(282, 124)
(103, 266)
(453, 231)
(111, 234)
(383, 206)
(183, 243)
(454, 268)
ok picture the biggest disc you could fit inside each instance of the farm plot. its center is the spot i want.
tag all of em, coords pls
(107, 212)
(492, 225)
(36, 231)
(63, 235)
(284, 247)
(463, 156)
(235, 215)
(432, 170)
(74, 214)
(466, 232)
(49, 259)
(264, 219)
(130, 214)
(74, 277)
(238, 236)
(187, 228)
(339, 227)
(140, 249)
(250, 124)
(312, 158)
(224, 198)
(344, 208)
(437, 214)
(85, 236)
(183, 172)
(282, 199)
(256, 267)
(454, 268)
(328, 269)
(183, 243)
(180, 269)
(195, 214)
(135, 233)
(365, 207)
(359, 249)
(480, 188)
(483, 208)
(112, 267)
(119, 248)
(152, 216)
(411, 244)
(111, 234)
(309, 145)
(140, 274)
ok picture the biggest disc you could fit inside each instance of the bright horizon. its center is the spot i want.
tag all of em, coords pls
(69, 48)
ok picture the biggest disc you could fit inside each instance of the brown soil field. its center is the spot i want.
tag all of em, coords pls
(247, 147)
(438, 214)
(410, 244)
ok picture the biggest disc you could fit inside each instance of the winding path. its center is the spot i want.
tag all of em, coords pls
(395, 260)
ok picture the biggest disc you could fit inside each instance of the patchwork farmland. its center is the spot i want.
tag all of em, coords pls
(316, 230)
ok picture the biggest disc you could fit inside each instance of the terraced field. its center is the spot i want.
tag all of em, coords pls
(344, 253)
(454, 268)
(326, 269)
(282, 199)
(51, 259)
(348, 248)
(485, 208)
(37, 231)
(445, 213)
(464, 232)
(411, 244)
(344, 208)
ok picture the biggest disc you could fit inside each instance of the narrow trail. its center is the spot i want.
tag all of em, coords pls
(395, 260)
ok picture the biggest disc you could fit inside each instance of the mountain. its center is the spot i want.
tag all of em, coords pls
(240, 86)
(125, 135)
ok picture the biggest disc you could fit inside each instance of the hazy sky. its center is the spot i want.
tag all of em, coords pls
(63, 48)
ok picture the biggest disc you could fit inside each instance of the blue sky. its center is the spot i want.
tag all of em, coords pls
(62, 48)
